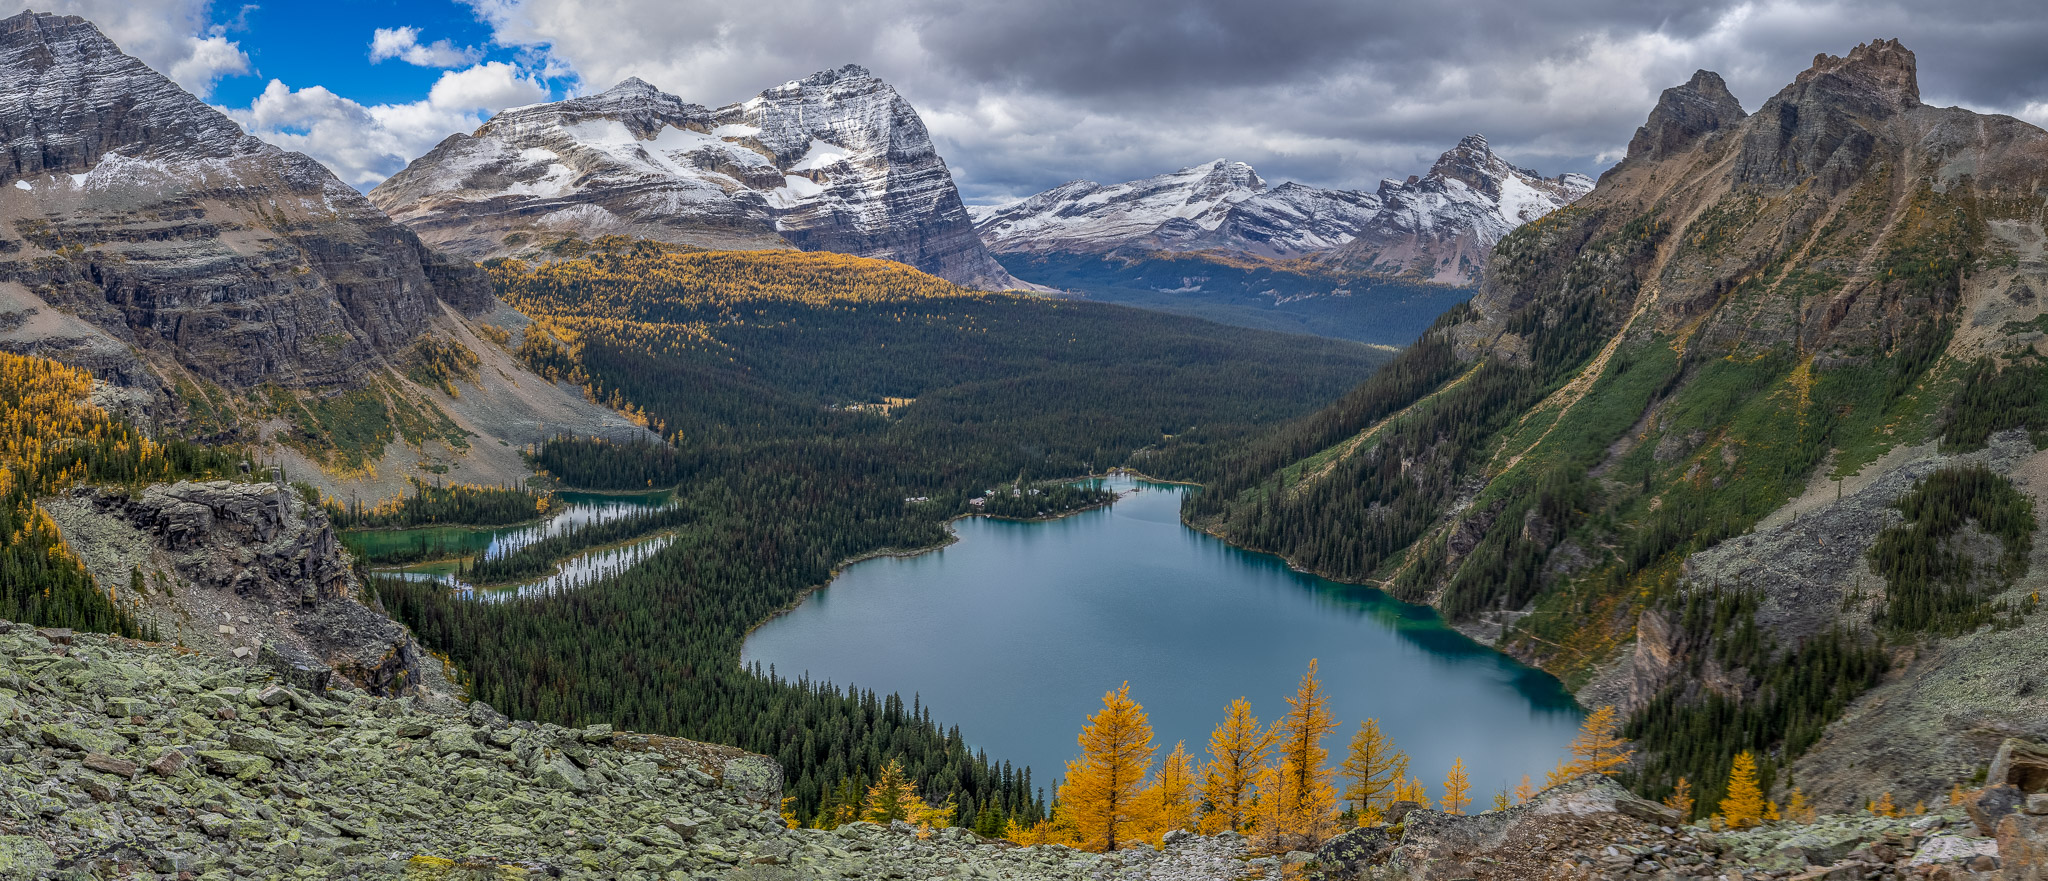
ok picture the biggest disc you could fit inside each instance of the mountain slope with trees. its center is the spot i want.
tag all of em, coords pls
(1712, 377)
(820, 408)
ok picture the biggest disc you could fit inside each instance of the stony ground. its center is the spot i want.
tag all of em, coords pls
(121, 759)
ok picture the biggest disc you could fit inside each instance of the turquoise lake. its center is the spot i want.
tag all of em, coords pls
(1015, 631)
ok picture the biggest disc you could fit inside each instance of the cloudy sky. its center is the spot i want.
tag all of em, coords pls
(1025, 94)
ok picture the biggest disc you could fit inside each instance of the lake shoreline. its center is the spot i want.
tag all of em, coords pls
(952, 537)
(1141, 596)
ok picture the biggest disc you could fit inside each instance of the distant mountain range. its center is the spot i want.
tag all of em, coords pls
(836, 161)
(1437, 227)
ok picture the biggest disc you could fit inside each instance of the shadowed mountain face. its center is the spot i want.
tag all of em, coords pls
(136, 220)
(837, 161)
(1716, 379)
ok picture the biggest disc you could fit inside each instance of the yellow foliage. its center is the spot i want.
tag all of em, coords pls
(1173, 795)
(1457, 788)
(1307, 800)
(1524, 791)
(1101, 793)
(1375, 768)
(1680, 799)
(1237, 750)
(1599, 748)
(1884, 807)
(1744, 805)
(1797, 810)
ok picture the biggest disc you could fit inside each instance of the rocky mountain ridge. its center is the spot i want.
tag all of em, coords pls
(1712, 384)
(183, 242)
(227, 289)
(836, 161)
(1437, 227)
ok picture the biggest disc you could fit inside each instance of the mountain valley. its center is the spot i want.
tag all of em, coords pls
(1743, 444)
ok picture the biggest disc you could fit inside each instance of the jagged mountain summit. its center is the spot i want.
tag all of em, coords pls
(1763, 408)
(140, 220)
(1442, 226)
(836, 161)
(1219, 205)
(1437, 227)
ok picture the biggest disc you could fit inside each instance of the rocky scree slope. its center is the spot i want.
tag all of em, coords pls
(1437, 227)
(1751, 317)
(138, 760)
(144, 235)
(1590, 828)
(836, 161)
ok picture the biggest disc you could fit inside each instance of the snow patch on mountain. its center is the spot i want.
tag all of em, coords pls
(1437, 226)
(837, 161)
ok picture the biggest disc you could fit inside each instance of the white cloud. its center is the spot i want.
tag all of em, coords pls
(173, 36)
(365, 144)
(403, 43)
(1021, 96)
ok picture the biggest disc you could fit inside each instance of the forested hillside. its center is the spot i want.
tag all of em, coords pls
(810, 398)
(1747, 310)
(51, 439)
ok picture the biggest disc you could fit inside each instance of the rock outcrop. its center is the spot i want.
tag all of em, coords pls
(836, 161)
(130, 204)
(246, 571)
(1684, 114)
(124, 759)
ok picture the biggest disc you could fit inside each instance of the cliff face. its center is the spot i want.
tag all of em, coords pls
(243, 571)
(130, 204)
(836, 161)
(1714, 380)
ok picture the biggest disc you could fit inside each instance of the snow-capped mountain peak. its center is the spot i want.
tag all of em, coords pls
(1218, 204)
(1438, 225)
(1443, 225)
(835, 161)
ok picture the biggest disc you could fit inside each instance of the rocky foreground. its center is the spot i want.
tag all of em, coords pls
(125, 759)
(121, 759)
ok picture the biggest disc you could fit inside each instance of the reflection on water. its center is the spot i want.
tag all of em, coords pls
(469, 542)
(574, 574)
(1015, 631)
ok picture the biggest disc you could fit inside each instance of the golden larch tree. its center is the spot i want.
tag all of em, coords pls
(1524, 791)
(1500, 800)
(1744, 805)
(1884, 807)
(1375, 768)
(1457, 788)
(1308, 800)
(892, 797)
(1599, 748)
(1102, 793)
(1173, 794)
(1237, 750)
(1680, 799)
(1797, 810)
